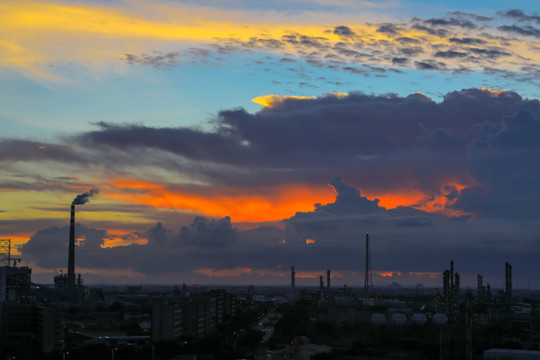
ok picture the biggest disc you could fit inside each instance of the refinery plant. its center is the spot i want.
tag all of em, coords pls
(448, 322)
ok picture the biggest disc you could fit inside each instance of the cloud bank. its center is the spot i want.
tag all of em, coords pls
(430, 181)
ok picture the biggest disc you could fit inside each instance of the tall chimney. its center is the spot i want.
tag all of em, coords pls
(328, 279)
(293, 273)
(508, 283)
(71, 255)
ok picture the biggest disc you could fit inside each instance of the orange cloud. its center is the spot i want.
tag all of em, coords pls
(267, 204)
(387, 273)
(16, 241)
(118, 241)
(425, 201)
(270, 204)
(122, 237)
(391, 200)
(440, 202)
(310, 241)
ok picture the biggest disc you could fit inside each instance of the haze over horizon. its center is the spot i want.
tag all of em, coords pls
(230, 140)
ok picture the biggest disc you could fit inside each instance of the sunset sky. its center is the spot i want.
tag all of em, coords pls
(230, 140)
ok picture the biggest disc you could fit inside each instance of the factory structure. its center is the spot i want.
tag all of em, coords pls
(458, 313)
(31, 315)
(24, 320)
(71, 285)
(34, 316)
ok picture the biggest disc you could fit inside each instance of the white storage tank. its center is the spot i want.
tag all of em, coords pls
(378, 319)
(420, 319)
(399, 319)
(440, 319)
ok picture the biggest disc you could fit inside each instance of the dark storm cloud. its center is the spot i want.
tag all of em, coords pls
(379, 144)
(506, 162)
(348, 200)
(183, 141)
(204, 232)
(399, 238)
(308, 139)
(14, 150)
(415, 222)
(48, 247)
(8, 227)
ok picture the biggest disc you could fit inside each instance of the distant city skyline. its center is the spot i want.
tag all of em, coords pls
(230, 140)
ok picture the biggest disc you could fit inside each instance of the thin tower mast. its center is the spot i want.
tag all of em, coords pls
(368, 280)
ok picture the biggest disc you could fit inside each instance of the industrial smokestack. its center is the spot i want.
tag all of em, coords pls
(508, 282)
(71, 255)
(328, 279)
(79, 200)
(292, 278)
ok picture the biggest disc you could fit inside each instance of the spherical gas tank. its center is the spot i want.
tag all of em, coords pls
(378, 319)
(440, 319)
(420, 319)
(399, 319)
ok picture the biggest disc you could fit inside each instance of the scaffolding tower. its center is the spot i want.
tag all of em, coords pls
(5, 252)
